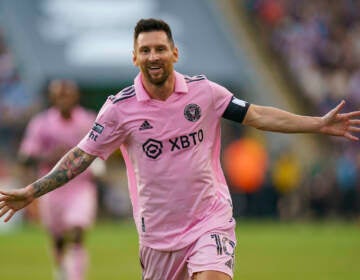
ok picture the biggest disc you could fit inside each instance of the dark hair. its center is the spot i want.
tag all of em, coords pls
(151, 24)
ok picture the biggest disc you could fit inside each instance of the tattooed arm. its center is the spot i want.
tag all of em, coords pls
(71, 165)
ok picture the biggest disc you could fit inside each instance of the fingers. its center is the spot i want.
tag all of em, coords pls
(4, 210)
(351, 137)
(334, 113)
(354, 122)
(11, 213)
(339, 107)
(4, 196)
(354, 128)
(350, 115)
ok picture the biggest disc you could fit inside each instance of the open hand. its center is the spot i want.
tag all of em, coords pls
(341, 124)
(13, 200)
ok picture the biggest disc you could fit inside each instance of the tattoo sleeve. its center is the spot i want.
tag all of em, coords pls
(71, 165)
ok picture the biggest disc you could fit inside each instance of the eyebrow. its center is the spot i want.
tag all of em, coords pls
(150, 46)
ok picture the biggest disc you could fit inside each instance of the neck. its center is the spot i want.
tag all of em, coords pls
(162, 91)
(66, 114)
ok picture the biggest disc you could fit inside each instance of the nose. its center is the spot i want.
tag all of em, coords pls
(153, 55)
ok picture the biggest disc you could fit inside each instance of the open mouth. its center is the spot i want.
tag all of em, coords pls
(154, 70)
(154, 67)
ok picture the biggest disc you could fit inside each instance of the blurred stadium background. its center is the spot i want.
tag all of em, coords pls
(302, 56)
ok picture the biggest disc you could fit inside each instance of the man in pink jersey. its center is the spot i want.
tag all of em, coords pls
(68, 211)
(168, 128)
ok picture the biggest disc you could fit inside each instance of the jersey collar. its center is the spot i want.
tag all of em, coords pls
(142, 95)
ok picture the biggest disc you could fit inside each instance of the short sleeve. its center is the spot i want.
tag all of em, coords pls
(106, 134)
(221, 97)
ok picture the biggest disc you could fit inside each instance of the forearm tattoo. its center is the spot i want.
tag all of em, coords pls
(71, 165)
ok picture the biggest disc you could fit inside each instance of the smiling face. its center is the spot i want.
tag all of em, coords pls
(155, 56)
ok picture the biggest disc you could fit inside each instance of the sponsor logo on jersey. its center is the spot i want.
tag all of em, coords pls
(95, 131)
(98, 128)
(153, 148)
(185, 141)
(93, 136)
(192, 112)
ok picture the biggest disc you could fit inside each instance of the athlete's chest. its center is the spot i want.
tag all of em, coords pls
(177, 125)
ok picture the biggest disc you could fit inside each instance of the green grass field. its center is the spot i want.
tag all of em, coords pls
(266, 250)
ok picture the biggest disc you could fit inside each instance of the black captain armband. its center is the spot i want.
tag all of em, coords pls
(236, 110)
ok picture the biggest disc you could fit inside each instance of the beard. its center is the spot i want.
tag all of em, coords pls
(157, 79)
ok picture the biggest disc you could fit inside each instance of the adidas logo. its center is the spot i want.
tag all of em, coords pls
(229, 264)
(145, 125)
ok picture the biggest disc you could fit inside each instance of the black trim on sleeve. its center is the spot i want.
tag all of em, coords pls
(124, 94)
(236, 110)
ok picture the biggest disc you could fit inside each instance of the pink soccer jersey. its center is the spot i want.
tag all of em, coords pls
(171, 149)
(74, 204)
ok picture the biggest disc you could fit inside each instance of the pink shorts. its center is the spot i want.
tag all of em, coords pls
(63, 209)
(212, 251)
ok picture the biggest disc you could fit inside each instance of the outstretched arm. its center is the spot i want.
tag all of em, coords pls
(71, 165)
(333, 123)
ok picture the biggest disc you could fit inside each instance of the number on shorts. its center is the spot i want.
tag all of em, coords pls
(223, 245)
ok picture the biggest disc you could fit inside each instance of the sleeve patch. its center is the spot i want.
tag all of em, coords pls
(98, 128)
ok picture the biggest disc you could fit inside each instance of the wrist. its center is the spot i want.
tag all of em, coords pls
(321, 124)
(30, 191)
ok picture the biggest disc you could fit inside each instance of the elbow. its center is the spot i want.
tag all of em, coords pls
(255, 122)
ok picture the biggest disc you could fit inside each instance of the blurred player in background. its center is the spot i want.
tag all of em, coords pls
(67, 212)
(168, 127)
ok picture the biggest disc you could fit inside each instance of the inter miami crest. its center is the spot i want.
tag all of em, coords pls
(192, 112)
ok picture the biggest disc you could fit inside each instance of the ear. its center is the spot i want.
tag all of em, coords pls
(134, 58)
(175, 54)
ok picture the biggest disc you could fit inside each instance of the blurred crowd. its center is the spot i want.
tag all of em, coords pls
(16, 106)
(318, 44)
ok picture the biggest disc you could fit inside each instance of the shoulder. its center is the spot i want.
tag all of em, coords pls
(39, 120)
(197, 82)
(200, 84)
(126, 93)
(114, 104)
(42, 116)
(85, 112)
